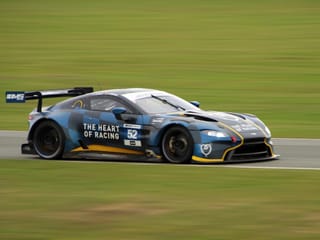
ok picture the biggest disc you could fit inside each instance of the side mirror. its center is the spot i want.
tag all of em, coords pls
(117, 111)
(195, 103)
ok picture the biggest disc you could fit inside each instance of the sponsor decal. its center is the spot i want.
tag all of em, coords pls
(134, 126)
(244, 127)
(206, 149)
(225, 116)
(15, 97)
(101, 131)
(133, 143)
(157, 120)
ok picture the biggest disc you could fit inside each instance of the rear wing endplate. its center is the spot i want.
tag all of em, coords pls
(21, 97)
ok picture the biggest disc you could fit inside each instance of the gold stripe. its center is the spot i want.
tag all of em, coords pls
(76, 103)
(206, 160)
(233, 130)
(232, 148)
(101, 148)
(270, 147)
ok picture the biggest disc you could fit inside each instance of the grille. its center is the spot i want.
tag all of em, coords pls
(252, 149)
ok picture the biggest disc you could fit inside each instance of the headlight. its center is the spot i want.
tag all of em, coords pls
(217, 134)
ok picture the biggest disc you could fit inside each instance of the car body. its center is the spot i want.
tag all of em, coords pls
(137, 122)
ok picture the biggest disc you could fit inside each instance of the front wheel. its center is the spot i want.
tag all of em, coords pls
(48, 140)
(177, 145)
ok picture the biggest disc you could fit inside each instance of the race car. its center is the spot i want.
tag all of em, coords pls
(138, 122)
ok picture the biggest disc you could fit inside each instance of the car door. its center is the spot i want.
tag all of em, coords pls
(106, 131)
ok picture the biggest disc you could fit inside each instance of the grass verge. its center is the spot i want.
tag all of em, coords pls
(80, 200)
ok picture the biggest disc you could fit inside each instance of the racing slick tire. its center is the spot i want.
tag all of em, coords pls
(177, 145)
(48, 140)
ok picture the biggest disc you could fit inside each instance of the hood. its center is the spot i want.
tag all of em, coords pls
(247, 125)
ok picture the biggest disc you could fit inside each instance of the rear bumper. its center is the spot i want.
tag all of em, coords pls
(27, 148)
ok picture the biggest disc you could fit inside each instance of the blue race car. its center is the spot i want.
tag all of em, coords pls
(140, 123)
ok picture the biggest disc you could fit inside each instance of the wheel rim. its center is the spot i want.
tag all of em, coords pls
(177, 146)
(47, 142)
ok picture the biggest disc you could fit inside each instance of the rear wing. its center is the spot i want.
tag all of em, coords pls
(21, 97)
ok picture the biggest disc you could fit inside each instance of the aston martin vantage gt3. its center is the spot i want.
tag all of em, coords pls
(140, 122)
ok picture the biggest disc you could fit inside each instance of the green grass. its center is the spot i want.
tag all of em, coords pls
(72, 200)
(243, 56)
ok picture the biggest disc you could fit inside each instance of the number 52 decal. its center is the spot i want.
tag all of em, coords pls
(132, 134)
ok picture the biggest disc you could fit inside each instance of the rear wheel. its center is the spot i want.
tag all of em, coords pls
(177, 145)
(48, 140)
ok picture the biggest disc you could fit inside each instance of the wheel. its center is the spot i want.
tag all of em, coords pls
(177, 145)
(48, 140)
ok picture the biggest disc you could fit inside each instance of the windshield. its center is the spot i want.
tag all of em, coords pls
(156, 104)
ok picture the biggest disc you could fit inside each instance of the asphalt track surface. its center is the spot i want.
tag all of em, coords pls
(294, 153)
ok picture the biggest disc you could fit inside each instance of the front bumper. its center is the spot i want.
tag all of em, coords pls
(248, 150)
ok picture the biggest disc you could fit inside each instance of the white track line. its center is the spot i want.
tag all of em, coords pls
(280, 168)
(188, 165)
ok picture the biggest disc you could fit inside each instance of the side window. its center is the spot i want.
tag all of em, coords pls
(77, 104)
(104, 104)
(73, 103)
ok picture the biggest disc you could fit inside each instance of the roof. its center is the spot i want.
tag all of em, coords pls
(133, 93)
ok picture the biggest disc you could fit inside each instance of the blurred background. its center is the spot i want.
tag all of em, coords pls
(261, 57)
